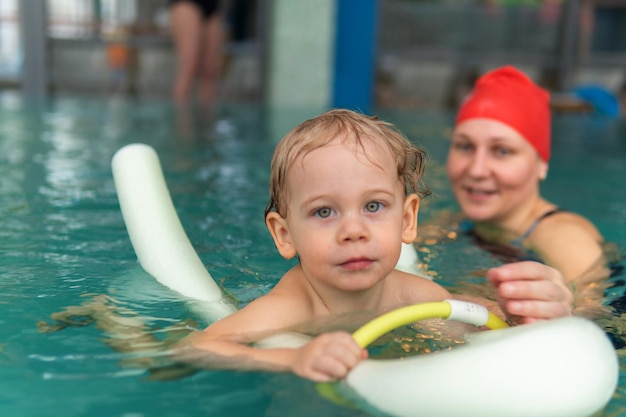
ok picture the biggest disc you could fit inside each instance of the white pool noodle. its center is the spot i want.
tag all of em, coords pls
(559, 368)
(156, 233)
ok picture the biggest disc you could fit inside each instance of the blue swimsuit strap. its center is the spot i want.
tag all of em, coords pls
(515, 250)
(536, 223)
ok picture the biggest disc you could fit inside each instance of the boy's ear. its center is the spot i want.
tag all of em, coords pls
(280, 233)
(409, 226)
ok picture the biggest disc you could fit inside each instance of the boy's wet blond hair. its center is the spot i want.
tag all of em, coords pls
(345, 125)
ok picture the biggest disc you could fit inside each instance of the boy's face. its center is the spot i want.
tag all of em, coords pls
(347, 215)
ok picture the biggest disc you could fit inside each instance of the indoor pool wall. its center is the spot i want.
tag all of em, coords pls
(63, 243)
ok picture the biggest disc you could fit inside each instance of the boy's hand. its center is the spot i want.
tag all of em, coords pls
(328, 357)
(530, 291)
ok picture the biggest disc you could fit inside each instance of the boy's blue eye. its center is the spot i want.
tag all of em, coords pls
(373, 206)
(324, 212)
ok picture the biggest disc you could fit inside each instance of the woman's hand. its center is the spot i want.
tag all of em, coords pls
(328, 357)
(530, 291)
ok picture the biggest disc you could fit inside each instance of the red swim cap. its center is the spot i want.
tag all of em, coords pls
(509, 96)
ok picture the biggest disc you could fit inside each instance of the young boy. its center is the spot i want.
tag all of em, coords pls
(344, 194)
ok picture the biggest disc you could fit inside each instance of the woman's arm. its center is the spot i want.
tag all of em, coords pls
(529, 291)
(571, 244)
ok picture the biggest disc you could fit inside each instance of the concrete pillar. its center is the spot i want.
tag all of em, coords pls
(299, 62)
(300, 56)
(34, 32)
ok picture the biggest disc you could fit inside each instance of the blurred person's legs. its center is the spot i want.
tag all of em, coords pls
(211, 59)
(198, 38)
(186, 21)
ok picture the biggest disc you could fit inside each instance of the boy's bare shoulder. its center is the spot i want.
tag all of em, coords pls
(285, 305)
(412, 289)
(267, 315)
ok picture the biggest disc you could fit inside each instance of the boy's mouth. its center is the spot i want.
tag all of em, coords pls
(356, 264)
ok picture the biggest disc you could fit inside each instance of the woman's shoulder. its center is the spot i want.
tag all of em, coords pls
(570, 243)
(565, 225)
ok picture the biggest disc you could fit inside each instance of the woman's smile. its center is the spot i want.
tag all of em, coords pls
(479, 194)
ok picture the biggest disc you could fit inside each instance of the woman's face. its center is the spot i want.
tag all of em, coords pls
(494, 172)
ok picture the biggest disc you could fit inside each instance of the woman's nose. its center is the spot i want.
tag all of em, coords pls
(478, 165)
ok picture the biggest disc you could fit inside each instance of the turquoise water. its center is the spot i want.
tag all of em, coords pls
(63, 242)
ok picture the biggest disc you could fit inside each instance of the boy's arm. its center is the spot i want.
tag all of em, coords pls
(229, 344)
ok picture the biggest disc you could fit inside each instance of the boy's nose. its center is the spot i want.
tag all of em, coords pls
(352, 228)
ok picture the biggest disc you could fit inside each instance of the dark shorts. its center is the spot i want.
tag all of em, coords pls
(207, 7)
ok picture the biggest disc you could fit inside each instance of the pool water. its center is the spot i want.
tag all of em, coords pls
(63, 243)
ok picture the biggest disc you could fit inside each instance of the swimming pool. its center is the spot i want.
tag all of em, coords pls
(63, 241)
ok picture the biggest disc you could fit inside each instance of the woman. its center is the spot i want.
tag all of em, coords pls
(498, 156)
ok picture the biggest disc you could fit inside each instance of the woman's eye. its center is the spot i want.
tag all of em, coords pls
(324, 212)
(373, 206)
(502, 151)
(463, 147)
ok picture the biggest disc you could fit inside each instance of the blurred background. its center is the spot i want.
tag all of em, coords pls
(425, 53)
